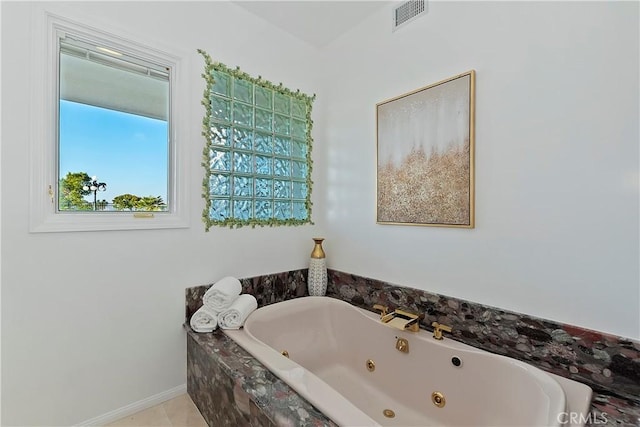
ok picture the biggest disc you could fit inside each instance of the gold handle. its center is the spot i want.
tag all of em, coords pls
(383, 310)
(438, 328)
(445, 328)
(143, 215)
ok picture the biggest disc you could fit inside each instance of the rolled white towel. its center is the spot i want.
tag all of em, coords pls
(222, 294)
(204, 320)
(234, 316)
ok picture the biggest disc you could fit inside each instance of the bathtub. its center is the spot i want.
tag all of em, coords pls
(344, 361)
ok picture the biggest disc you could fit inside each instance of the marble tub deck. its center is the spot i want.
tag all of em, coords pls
(246, 393)
(283, 407)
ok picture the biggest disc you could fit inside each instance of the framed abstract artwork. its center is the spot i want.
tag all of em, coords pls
(425, 155)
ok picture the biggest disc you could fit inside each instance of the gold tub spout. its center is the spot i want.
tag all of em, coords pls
(403, 320)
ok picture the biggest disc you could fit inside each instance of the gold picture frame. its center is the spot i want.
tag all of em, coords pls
(425, 142)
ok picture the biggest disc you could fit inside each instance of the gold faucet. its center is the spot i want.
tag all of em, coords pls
(438, 328)
(399, 319)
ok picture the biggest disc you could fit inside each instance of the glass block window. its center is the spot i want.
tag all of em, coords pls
(257, 157)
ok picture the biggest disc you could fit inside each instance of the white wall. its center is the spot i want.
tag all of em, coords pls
(556, 157)
(91, 321)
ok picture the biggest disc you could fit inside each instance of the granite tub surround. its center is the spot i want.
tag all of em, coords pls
(267, 289)
(231, 388)
(608, 364)
(611, 410)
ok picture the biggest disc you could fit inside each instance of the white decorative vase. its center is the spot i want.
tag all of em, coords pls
(317, 281)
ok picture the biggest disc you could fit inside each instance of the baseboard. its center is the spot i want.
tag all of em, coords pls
(134, 407)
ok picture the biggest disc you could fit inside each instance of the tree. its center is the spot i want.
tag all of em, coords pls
(125, 202)
(70, 192)
(149, 203)
(131, 202)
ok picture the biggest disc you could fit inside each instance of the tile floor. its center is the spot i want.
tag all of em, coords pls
(177, 412)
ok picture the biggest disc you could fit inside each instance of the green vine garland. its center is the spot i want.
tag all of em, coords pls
(211, 66)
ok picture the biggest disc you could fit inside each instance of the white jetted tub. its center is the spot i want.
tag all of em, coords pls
(344, 361)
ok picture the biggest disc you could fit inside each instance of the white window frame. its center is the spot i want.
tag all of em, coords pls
(43, 156)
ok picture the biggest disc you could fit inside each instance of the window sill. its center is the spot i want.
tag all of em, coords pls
(64, 222)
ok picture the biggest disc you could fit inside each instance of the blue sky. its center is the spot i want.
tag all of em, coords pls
(125, 151)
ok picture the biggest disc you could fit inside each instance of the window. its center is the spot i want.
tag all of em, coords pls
(107, 147)
(113, 120)
(257, 156)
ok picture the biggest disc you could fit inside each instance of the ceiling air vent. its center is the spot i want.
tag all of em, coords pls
(407, 12)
